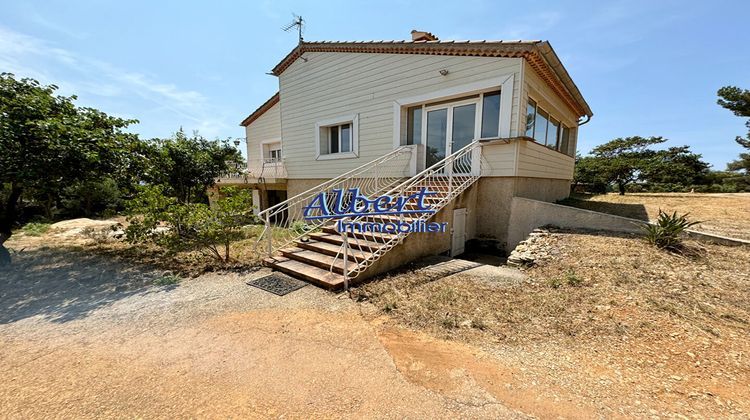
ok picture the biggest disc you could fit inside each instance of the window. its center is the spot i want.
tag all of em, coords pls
(553, 130)
(337, 138)
(414, 125)
(491, 115)
(540, 126)
(565, 140)
(547, 130)
(270, 151)
(530, 117)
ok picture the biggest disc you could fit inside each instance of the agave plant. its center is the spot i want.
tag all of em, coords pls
(667, 232)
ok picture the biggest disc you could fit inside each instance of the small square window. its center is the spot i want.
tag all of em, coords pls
(337, 138)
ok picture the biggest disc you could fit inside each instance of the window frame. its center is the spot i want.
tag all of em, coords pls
(480, 112)
(338, 122)
(266, 147)
(560, 127)
(503, 83)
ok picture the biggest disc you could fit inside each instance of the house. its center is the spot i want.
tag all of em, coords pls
(473, 123)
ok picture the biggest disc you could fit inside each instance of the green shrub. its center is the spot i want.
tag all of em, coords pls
(35, 228)
(667, 231)
(167, 280)
(300, 227)
(572, 279)
(192, 226)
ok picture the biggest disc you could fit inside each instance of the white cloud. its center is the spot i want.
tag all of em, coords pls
(28, 56)
(53, 26)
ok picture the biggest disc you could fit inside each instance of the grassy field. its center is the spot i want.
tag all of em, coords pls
(722, 214)
(609, 323)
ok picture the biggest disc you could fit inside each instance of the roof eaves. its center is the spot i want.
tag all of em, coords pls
(554, 62)
(273, 100)
(539, 54)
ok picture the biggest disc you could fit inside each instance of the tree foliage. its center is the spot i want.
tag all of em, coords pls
(624, 161)
(164, 220)
(675, 166)
(738, 101)
(187, 166)
(48, 143)
(620, 161)
(589, 173)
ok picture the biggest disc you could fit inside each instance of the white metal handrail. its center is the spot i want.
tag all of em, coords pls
(447, 178)
(285, 222)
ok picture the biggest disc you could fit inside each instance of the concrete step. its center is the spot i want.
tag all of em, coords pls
(333, 249)
(324, 261)
(315, 275)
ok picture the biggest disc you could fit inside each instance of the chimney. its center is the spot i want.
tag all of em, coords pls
(422, 36)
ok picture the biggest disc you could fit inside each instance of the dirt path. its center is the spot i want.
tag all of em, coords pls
(81, 337)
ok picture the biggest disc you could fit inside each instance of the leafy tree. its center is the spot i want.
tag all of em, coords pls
(620, 161)
(588, 172)
(738, 101)
(91, 198)
(676, 166)
(187, 166)
(48, 143)
(177, 226)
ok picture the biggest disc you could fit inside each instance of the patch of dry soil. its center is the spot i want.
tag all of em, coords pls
(606, 326)
(83, 337)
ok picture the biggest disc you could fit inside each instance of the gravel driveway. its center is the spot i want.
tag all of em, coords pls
(82, 337)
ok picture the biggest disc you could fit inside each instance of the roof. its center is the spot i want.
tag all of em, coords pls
(539, 54)
(273, 100)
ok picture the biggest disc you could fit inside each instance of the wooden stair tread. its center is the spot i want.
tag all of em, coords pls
(318, 259)
(307, 272)
(380, 236)
(333, 249)
(335, 238)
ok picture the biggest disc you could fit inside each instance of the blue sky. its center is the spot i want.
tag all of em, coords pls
(645, 67)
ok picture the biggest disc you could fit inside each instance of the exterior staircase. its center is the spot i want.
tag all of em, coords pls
(315, 251)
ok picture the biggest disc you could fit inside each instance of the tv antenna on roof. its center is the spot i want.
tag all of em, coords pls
(298, 22)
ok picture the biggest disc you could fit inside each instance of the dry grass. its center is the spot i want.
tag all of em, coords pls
(610, 320)
(722, 214)
(601, 286)
(245, 254)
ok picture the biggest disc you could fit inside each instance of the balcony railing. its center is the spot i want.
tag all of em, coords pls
(258, 170)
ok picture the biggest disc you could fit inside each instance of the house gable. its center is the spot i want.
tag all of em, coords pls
(539, 55)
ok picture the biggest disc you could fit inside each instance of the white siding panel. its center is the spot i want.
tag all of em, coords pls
(537, 161)
(499, 159)
(329, 85)
(266, 128)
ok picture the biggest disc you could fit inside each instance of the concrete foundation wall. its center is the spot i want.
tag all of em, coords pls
(496, 194)
(526, 215)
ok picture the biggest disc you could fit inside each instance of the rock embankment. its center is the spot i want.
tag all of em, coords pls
(539, 246)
